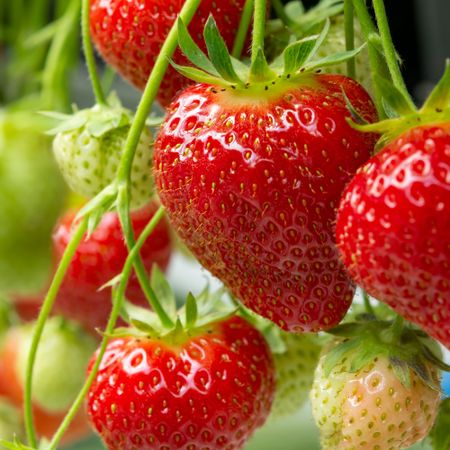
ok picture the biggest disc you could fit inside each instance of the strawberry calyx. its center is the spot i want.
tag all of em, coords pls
(196, 314)
(439, 435)
(407, 349)
(294, 65)
(401, 115)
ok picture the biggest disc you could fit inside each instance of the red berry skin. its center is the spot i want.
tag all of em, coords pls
(210, 391)
(393, 228)
(252, 187)
(99, 259)
(129, 34)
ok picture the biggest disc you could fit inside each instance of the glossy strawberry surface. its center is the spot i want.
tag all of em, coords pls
(99, 259)
(208, 391)
(252, 184)
(393, 228)
(129, 35)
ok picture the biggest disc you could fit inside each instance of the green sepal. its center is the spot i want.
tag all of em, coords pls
(357, 119)
(402, 371)
(439, 99)
(260, 71)
(440, 435)
(393, 98)
(17, 445)
(338, 353)
(334, 59)
(320, 39)
(192, 51)
(218, 52)
(191, 311)
(200, 76)
(295, 55)
(112, 283)
(164, 292)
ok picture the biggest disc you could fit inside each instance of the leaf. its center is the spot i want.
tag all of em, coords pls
(440, 436)
(192, 51)
(439, 99)
(218, 52)
(297, 53)
(393, 97)
(163, 292)
(191, 312)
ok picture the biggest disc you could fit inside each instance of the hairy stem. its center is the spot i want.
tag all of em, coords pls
(242, 32)
(259, 28)
(349, 36)
(118, 297)
(89, 55)
(40, 324)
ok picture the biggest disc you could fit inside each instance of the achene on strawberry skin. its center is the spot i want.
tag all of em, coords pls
(251, 180)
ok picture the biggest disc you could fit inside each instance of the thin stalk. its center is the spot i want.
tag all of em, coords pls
(281, 13)
(377, 62)
(397, 327)
(259, 28)
(89, 54)
(242, 32)
(367, 305)
(40, 324)
(118, 298)
(349, 36)
(389, 49)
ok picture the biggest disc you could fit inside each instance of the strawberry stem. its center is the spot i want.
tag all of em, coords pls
(389, 50)
(242, 32)
(40, 324)
(118, 297)
(349, 36)
(367, 305)
(259, 32)
(89, 54)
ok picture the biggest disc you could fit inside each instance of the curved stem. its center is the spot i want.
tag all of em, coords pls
(118, 295)
(89, 55)
(40, 323)
(259, 28)
(151, 89)
(349, 36)
(389, 49)
(242, 32)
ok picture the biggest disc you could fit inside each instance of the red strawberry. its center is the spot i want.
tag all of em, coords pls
(129, 35)
(251, 182)
(393, 227)
(99, 259)
(210, 388)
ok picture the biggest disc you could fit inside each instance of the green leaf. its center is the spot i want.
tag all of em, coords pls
(440, 436)
(297, 53)
(191, 312)
(200, 76)
(334, 59)
(218, 52)
(439, 99)
(393, 97)
(164, 292)
(192, 51)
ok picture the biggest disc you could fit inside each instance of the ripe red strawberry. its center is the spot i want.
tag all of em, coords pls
(99, 259)
(129, 35)
(210, 388)
(371, 408)
(251, 183)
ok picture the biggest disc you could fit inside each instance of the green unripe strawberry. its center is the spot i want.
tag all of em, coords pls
(88, 147)
(32, 195)
(294, 372)
(61, 362)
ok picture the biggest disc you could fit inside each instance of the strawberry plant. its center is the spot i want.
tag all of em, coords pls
(286, 179)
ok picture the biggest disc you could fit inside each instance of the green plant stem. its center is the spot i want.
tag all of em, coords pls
(281, 13)
(55, 65)
(242, 32)
(367, 305)
(40, 324)
(89, 54)
(377, 62)
(349, 36)
(389, 49)
(118, 298)
(259, 28)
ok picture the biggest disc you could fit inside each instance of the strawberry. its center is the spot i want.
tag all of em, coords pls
(99, 259)
(294, 373)
(201, 386)
(31, 197)
(378, 388)
(129, 35)
(88, 147)
(251, 173)
(64, 349)
(393, 221)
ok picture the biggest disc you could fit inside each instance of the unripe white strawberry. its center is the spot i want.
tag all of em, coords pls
(88, 147)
